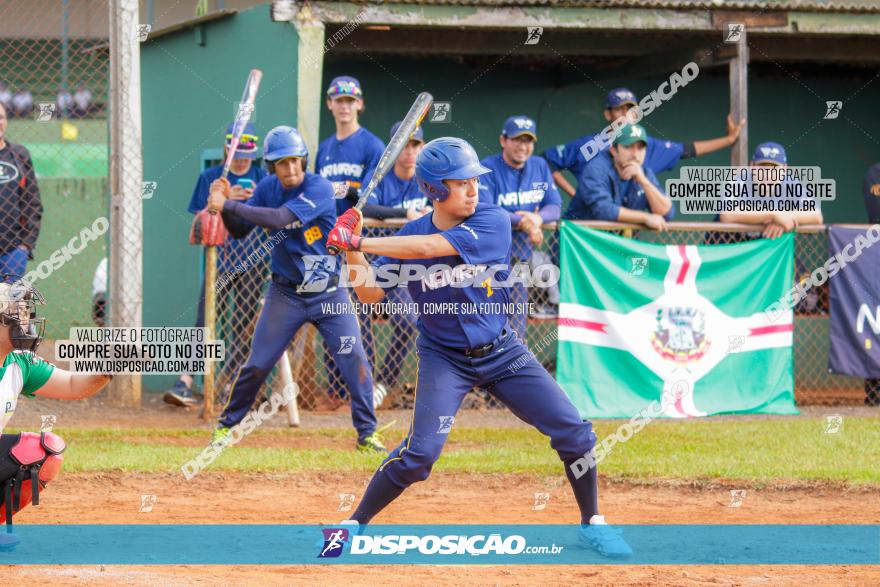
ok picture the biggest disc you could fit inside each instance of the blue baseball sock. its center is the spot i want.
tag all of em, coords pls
(586, 491)
(380, 492)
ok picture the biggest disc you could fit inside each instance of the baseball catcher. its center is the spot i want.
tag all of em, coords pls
(29, 460)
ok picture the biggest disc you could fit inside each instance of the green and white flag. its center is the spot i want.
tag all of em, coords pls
(681, 324)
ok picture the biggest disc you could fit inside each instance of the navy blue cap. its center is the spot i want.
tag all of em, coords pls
(247, 146)
(770, 153)
(619, 97)
(519, 125)
(418, 134)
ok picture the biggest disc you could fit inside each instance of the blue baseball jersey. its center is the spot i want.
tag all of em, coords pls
(350, 159)
(312, 203)
(601, 192)
(395, 192)
(662, 155)
(482, 241)
(236, 250)
(529, 189)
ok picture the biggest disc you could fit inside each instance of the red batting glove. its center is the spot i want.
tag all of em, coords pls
(342, 237)
(349, 220)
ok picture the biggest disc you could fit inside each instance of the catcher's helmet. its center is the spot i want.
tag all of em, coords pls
(285, 141)
(18, 310)
(446, 158)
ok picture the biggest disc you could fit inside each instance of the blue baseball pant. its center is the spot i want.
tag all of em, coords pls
(284, 312)
(334, 377)
(511, 374)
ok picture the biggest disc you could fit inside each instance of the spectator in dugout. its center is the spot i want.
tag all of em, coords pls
(239, 263)
(616, 186)
(661, 155)
(5, 96)
(22, 208)
(523, 186)
(22, 103)
(773, 224)
(64, 102)
(82, 101)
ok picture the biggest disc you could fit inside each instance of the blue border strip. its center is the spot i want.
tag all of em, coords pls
(143, 544)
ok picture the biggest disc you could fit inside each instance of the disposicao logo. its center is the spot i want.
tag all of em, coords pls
(334, 542)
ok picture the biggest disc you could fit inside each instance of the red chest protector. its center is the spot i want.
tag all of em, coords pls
(28, 461)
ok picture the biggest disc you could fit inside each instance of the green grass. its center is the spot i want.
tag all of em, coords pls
(757, 452)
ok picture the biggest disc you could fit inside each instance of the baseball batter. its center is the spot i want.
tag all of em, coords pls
(469, 344)
(304, 281)
(29, 460)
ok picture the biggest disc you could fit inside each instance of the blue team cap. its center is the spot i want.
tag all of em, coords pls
(519, 125)
(418, 135)
(619, 97)
(345, 85)
(770, 153)
(247, 145)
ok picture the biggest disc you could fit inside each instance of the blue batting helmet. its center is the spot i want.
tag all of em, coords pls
(446, 158)
(284, 141)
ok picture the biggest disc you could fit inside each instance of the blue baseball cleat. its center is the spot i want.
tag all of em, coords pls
(604, 539)
(8, 541)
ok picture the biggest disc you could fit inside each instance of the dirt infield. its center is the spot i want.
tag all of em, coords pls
(305, 498)
(445, 498)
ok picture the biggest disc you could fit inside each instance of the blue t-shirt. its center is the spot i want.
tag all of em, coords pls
(350, 159)
(395, 192)
(662, 155)
(312, 203)
(481, 240)
(601, 192)
(236, 251)
(529, 188)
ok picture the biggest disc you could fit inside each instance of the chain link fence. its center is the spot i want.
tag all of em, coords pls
(54, 82)
(70, 162)
(391, 338)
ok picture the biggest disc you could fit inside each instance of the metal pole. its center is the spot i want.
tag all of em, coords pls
(739, 100)
(310, 66)
(65, 44)
(126, 184)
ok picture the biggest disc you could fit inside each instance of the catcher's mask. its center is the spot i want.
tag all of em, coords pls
(18, 310)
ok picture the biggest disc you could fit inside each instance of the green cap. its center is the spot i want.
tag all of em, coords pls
(631, 133)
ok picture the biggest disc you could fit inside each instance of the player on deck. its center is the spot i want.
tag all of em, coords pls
(661, 155)
(398, 196)
(29, 460)
(523, 186)
(345, 158)
(303, 284)
(460, 350)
